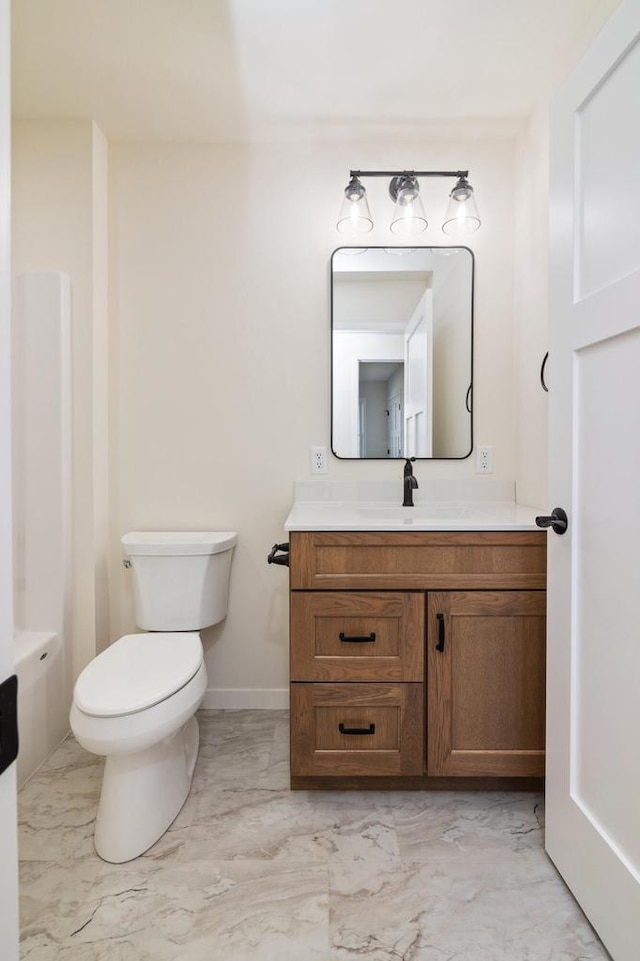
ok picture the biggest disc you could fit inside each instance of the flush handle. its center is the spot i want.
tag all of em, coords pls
(440, 644)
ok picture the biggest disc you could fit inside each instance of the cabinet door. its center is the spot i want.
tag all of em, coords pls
(486, 683)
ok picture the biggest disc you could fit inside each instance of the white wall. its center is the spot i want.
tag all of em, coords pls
(452, 357)
(349, 347)
(59, 223)
(100, 385)
(531, 245)
(41, 414)
(374, 301)
(220, 327)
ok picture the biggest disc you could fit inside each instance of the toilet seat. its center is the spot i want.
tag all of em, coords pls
(137, 672)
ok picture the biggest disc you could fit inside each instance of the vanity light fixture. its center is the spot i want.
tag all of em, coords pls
(462, 213)
(355, 217)
(409, 218)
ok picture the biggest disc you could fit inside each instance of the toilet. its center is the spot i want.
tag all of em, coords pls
(135, 703)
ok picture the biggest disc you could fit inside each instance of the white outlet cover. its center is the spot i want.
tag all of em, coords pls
(484, 459)
(318, 456)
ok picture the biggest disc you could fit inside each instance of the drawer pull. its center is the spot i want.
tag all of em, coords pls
(357, 730)
(357, 638)
(440, 644)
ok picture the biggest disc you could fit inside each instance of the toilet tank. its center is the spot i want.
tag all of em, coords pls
(180, 578)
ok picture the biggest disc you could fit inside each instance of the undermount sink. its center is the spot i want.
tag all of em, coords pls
(420, 512)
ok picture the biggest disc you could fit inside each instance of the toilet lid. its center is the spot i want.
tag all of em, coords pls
(138, 671)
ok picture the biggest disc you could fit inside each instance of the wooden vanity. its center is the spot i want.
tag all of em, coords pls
(417, 659)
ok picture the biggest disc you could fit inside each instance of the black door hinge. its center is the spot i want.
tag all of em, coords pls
(8, 722)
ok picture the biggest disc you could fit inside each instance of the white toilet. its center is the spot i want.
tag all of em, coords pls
(135, 703)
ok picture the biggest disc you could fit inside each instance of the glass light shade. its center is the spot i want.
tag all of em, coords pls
(409, 218)
(462, 216)
(355, 216)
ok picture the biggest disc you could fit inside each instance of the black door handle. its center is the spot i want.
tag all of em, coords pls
(357, 638)
(357, 730)
(440, 644)
(557, 520)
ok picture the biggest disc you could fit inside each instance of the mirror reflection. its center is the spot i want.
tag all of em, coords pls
(402, 335)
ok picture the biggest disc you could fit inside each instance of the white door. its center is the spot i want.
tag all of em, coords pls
(593, 759)
(8, 853)
(418, 381)
(362, 427)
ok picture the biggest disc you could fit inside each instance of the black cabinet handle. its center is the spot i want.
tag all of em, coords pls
(356, 730)
(557, 520)
(440, 644)
(357, 638)
(467, 400)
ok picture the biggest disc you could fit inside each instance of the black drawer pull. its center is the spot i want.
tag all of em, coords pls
(357, 638)
(440, 644)
(357, 730)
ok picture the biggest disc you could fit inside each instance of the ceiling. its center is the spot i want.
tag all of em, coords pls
(247, 70)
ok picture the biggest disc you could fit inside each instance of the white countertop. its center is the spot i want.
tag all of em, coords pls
(470, 506)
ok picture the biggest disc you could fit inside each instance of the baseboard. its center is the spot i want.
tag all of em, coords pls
(254, 698)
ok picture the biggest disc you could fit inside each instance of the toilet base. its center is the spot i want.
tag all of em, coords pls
(142, 794)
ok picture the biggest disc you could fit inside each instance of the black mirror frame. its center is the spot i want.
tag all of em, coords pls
(468, 406)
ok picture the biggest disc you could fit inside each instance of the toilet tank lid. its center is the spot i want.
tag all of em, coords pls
(178, 542)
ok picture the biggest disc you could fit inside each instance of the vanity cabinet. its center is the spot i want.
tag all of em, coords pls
(417, 658)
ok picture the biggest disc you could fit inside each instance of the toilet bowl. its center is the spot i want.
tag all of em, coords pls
(135, 703)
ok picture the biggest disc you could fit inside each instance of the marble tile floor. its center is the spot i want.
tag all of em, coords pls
(250, 871)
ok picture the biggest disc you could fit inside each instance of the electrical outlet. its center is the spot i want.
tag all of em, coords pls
(319, 460)
(484, 460)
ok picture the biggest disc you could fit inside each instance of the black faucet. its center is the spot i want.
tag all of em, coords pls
(410, 483)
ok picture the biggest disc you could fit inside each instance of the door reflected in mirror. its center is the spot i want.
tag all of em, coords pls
(402, 340)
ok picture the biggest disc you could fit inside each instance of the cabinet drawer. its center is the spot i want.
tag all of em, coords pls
(418, 560)
(357, 729)
(346, 636)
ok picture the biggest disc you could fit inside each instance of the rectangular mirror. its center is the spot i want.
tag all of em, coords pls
(401, 352)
